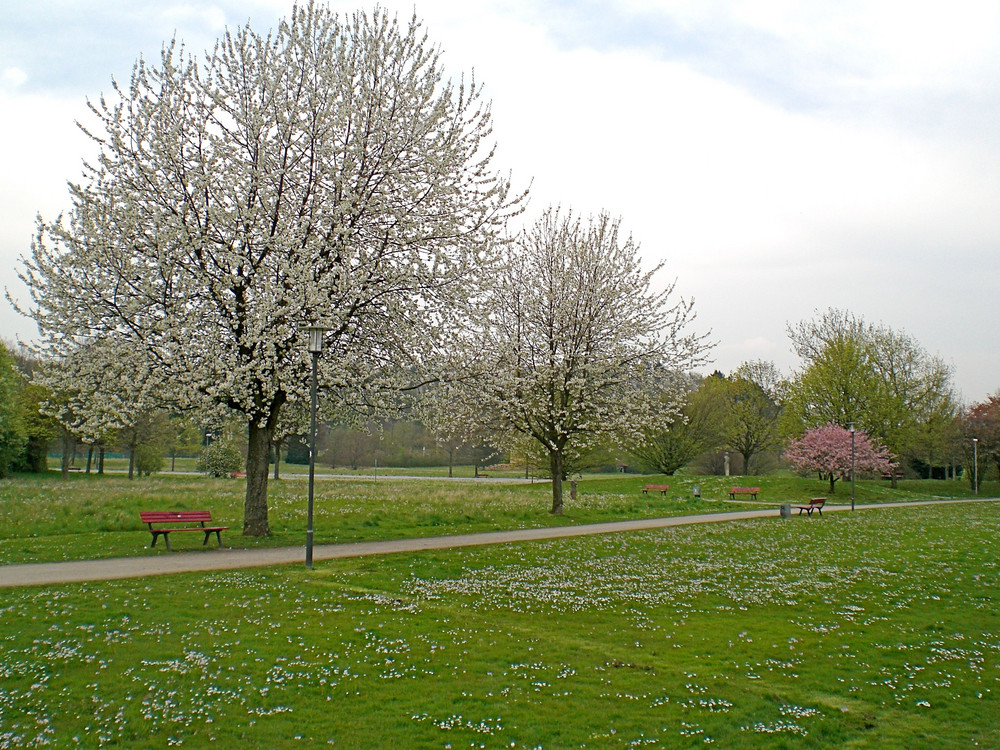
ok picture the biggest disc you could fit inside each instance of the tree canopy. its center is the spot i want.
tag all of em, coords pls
(981, 421)
(13, 432)
(326, 173)
(574, 337)
(827, 450)
(752, 397)
(857, 372)
(666, 446)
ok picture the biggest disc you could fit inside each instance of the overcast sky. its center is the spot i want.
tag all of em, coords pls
(783, 157)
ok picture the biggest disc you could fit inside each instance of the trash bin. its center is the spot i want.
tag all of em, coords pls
(696, 491)
(786, 510)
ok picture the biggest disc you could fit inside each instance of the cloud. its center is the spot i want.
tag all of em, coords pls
(201, 19)
(782, 157)
(14, 77)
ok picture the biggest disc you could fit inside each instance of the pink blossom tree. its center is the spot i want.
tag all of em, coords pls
(827, 450)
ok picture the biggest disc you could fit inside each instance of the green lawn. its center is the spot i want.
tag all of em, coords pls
(874, 629)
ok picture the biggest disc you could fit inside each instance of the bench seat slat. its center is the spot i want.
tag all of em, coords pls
(167, 516)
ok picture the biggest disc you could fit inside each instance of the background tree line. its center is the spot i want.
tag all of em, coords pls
(751, 414)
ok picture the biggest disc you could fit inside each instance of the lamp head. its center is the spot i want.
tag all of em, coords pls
(316, 339)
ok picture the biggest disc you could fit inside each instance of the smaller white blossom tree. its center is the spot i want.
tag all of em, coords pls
(102, 387)
(572, 336)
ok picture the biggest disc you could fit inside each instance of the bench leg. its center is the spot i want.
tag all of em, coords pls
(218, 537)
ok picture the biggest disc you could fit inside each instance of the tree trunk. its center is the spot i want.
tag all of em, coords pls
(277, 459)
(833, 478)
(556, 467)
(64, 464)
(100, 460)
(90, 456)
(258, 453)
(131, 454)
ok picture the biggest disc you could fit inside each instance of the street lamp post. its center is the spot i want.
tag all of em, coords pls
(851, 428)
(315, 349)
(975, 466)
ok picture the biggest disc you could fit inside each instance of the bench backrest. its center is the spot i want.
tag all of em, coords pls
(745, 489)
(818, 501)
(657, 486)
(175, 516)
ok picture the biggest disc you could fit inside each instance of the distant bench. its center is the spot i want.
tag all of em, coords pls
(889, 475)
(661, 488)
(816, 504)
(200, 517)
(744, 491)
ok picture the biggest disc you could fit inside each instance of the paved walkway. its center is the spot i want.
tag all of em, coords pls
(39, 574)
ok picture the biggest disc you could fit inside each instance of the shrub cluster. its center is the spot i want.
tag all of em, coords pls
(221, 459)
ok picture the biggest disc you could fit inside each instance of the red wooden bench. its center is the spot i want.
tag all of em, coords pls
(816, 504)
(744, 491)
(200, 517)
(661, 488)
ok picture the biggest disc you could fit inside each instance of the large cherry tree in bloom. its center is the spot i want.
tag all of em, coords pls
(326, 173)
(827, 451)
(576, 346)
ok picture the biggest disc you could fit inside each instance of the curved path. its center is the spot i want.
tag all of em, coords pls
(38, 574)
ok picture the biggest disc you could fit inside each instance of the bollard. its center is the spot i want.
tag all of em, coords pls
(786, 510)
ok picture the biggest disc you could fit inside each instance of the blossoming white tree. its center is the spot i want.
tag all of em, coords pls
(99, 388)
(575, 344)
(326, 173)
